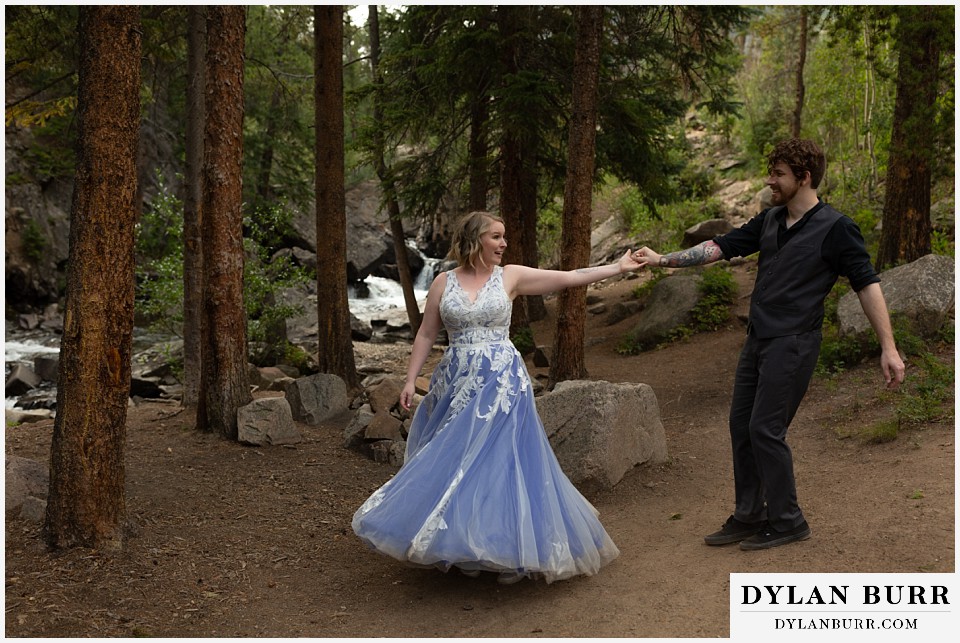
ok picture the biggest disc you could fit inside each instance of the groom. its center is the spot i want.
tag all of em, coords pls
(804, 245)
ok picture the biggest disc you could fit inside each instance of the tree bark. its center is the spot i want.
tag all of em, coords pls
(906, 207)
(536, 309)
(479, 115)
(567, 361)
(511, 20)
(869, 98)
(335, 354)
(225, 383)
(800, 88)
(393, 206)
(192, 247)
(85, 504)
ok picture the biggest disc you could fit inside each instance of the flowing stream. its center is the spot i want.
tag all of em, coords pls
(385, 296)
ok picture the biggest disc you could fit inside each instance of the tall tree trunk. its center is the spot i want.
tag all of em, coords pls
(906, 207)
(479, 115)
(801, 60)
(393, 206)
(192, 248)
(85, 504)
(510, 21)
(336, 345)
(225, 383)
(536, 309)
(869, 98)
(567, 361)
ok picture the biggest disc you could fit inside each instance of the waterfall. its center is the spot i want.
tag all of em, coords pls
(427, 273)
(386, 294)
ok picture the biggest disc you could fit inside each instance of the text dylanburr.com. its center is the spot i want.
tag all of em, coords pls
(848, 607)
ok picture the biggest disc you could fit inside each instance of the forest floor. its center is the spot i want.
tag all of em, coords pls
(229, 540)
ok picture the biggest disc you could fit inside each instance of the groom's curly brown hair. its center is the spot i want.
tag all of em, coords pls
(802, 156)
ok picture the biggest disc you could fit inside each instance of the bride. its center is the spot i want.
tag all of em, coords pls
(481, 489)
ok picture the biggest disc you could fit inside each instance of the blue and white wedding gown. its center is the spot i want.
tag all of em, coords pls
(480, 488)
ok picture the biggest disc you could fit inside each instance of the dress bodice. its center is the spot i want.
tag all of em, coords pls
(485, 320)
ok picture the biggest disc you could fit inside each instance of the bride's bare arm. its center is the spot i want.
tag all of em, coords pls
(524, 280)
(430, 326)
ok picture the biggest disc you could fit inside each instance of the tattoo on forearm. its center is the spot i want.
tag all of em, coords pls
(586, 270)
(695, 256)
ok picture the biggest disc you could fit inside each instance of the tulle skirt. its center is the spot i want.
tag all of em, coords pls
(481, 488)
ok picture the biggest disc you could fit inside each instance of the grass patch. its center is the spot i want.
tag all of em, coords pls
(923, 398)
(928, 389)
(881, 432)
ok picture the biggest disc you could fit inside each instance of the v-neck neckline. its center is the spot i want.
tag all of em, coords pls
(466, 293)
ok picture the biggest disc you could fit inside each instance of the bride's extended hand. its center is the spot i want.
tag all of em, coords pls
(628, 262)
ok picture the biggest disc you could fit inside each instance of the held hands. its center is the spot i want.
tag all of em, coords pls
(628, 262)
(646, 257)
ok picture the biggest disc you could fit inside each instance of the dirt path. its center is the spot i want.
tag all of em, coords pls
(240, 541)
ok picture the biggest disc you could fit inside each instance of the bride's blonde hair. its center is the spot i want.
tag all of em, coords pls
(465, 246)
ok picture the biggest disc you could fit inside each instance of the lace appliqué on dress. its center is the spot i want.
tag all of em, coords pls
(480, 343)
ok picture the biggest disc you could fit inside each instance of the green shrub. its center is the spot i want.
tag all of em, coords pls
(522, 339)
(718, 291)
(839, 352)
(927, 389)
(34, 242)
(661, 226)
(942, 243)
(549, 224)
(297, 357)
(159, 296)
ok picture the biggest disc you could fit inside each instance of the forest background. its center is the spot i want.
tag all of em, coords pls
(452, 108)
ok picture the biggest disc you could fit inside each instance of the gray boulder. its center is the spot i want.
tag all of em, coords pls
(269, 378)
(670, 306)
(621, 310)
(599, 431)
(15, 416)
(33, 509)
(389, 452)
(317, 397)
(354, 433)
(24, 478)
(705, 231)
(385, 395)
(47, 367)
(379, 422)
(21, 379)
(922, 291)
(267, 421)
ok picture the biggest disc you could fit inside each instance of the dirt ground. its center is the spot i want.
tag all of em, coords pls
(229, 540)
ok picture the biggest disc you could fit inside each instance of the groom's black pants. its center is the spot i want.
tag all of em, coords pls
(771, 379)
